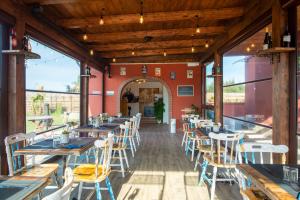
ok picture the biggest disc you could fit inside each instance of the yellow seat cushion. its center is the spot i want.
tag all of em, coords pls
(86, 173)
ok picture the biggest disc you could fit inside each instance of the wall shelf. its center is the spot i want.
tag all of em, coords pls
(276, 50)
(27, 54)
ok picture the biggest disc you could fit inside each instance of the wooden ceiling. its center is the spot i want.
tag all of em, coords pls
(171, 25)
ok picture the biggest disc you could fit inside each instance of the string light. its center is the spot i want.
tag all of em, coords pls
(114, 60)
(142, 13)
(101, 21)
(197, 27)
(91, 52)
(206, 44)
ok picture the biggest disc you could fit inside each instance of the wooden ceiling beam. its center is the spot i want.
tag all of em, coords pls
(208, 14)
(159, 59)
(150, 45)
(151, 52)
(56, 2)
(113, 37)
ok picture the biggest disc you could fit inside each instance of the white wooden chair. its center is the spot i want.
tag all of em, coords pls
(185, 129)
(220, 159)
(64, 192)
(120, 146)
(98, 172)
(17, 163)
(256, 153)
(138, 136)
(132, 134)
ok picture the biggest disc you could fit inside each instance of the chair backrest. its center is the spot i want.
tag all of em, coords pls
(124, 133)
(185, 127)
(64, 192)
(106, 147)
(223, 146)
(132, 126)
(13, 143)
(260, 152)
(139, 117)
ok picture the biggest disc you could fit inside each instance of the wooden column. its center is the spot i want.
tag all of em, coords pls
(218, 102)
(103, 91)
(84, 96)
(16, 85)
(280, 82)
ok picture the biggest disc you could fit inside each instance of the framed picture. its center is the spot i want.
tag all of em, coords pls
(173, 75)
(189, 73)
(157, 71)
(185, 90)
(122, 71)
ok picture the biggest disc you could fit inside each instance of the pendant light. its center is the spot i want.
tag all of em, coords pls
(101, 21)
(133, 53)
(197, 25)
(85, 37)
(193, 49)
(114, 60)
(142, 13)
(165, 53)
(91, 52)
(206, 44)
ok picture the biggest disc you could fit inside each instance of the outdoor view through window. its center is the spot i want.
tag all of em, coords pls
(52, 89)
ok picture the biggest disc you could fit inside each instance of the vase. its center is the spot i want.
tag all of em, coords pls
(64, 139)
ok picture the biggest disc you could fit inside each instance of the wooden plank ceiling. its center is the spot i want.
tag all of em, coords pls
(170, 25)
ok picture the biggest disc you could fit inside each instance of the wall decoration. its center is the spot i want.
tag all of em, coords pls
(110, 93)
(122, 71)
(173, 75)
(185, 90)
(144, 70)
(157, 71)
(189, 73)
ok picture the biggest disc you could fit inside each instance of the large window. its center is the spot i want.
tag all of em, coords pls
(298, 80)
(208, 108)
(52, 89)
(247, 90)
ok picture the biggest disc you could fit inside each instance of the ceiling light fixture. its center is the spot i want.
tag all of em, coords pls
(248, 49)
(193, 49)
(206, 44)
(133, 53)
(252, 45)
(142, 13)
(91, 52)
(197, 26)
(165, 53)
(101, 21)
(85, 37)
(114, 60)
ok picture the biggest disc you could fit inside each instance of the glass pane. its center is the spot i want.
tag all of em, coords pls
(239, 69)
(53, 72)
(95, 93)
(251, 102)
(209, 85)
(253, 132)
(45, 110)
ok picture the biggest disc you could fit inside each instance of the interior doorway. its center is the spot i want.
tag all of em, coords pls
(139, 95)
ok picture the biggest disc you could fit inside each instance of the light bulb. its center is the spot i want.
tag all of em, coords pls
(198, 29)
(101, 21)
(114, 60)
(141, 19)
(165, 53)
(133, 53)
(252, 45)
(91, 52)
(206, 45)
(85, 37)
(248, 49)
(193, 49)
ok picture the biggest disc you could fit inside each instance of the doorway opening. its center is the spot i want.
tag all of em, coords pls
(139, 96)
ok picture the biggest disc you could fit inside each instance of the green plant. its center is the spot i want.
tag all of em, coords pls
(159, 109)
(195, 108)
(65, 132)
(37, 104)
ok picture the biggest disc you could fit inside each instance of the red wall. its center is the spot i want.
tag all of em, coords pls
(95, 101)
(134, 70)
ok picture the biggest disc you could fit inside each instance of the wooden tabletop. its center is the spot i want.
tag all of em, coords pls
(21, 187)
(109, 127)
(57, 151)
(265, 184)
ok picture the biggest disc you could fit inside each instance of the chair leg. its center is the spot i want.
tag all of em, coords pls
(79, 190)
(121, 163)
(204, 167)
(131, 147)
(213, 186)
(133, 142)
(183, 139)
(55, 177)
(125, 155)
(187, 146)
(193, 150)
(197, 160)
(98, 192)
(110, 190)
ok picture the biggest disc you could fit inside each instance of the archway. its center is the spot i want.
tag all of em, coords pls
(164, 84)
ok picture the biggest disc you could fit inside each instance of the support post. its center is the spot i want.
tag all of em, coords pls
(218, 103)
(84, 96)
(103, 92)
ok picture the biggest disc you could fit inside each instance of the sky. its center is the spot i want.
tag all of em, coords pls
(54, 71)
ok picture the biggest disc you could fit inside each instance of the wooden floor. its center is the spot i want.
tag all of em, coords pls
(160, 170)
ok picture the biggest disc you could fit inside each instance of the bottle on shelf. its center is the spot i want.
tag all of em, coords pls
(286, 38)
(266, 40)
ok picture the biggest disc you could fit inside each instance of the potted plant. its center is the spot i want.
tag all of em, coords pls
(159, 109)
(65, 137)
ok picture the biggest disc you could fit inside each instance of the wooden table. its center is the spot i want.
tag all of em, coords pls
(46, 148)
(21, 187)
(41, 122)
(102, 131)
(268, 178)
